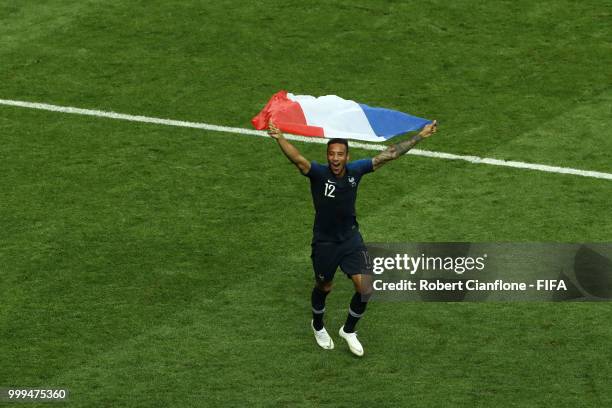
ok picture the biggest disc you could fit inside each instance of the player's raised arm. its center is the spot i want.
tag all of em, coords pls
(290, 151)
(399, 149)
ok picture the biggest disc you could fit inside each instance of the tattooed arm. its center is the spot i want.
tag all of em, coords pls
(398, 150)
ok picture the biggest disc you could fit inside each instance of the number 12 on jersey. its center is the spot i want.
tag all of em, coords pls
(329, 190)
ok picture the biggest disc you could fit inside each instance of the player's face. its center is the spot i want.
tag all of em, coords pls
(337, 157)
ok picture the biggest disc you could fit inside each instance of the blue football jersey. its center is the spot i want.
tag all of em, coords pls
(334, 200)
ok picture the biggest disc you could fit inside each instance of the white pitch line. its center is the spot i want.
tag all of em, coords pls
(360, 145)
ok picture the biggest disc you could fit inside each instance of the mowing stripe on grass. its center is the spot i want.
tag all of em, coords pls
(366, 146)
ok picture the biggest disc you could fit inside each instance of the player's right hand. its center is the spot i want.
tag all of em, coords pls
(273, 131)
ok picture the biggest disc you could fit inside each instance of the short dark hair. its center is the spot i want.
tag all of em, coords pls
(338, 140)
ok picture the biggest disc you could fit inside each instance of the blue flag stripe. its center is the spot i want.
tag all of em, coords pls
(388, 123)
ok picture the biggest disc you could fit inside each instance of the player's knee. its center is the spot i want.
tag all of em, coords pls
(325, 286)
(366, 292)
(364, 288)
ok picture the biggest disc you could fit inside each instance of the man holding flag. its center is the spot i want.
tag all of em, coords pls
(337, 241)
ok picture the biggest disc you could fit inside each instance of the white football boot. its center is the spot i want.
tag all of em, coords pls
(323, 338)
(352, 341)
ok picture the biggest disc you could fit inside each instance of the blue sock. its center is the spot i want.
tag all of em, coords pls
(356, 310)
(317, 301)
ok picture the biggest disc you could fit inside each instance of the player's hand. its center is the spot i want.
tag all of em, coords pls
(429, 130)
(273, 131)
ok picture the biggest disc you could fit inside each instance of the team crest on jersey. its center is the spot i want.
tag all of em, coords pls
(351, 180)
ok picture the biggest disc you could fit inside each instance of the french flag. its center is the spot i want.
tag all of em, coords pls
(331, 116)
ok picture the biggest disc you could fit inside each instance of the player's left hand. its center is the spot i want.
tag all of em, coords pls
(429, 130)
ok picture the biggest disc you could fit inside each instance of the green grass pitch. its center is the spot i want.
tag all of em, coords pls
(143, 265)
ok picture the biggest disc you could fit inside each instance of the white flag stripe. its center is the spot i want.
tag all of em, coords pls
(336, 116)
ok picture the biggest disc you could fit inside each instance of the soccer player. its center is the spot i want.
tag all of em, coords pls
(336, 240)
